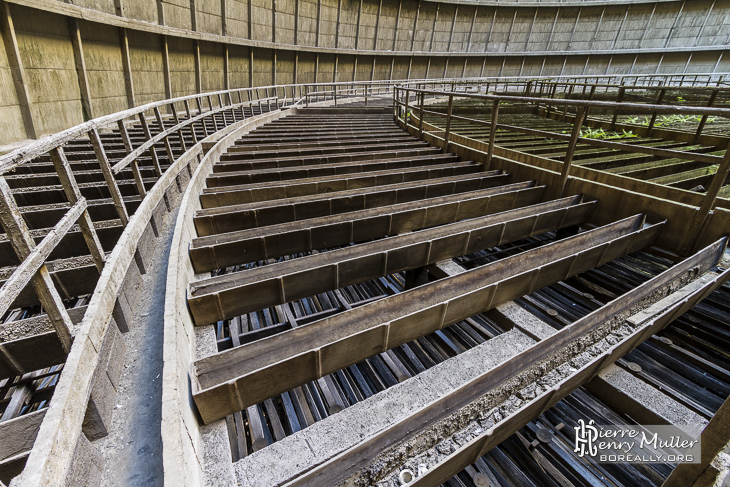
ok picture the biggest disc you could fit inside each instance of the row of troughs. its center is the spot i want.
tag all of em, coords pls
(82, 211)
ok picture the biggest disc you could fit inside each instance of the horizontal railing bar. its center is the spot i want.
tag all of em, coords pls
(136, 153)
(641, 107)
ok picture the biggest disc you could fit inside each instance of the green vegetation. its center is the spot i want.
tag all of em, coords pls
(668, 120)
(591, 133)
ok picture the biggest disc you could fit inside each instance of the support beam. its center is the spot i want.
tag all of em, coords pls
(337, 26)
(598, 27)
(377, 26)
(509, 32)
(674, 26)
(318, 24)
(78, 49)
(193, 16)
(198, 68)
(453, 26)
(415, 26)
(433, 28)
(620, 27)
(127, 67)
(489, 33)
(313, 274)
(273, 21)
(250, 66)
(529, 31)
(17, 70)
(23, 244)
(471, 29)
(227, 69)
(166, 67)
(249, 8)
(224, 17)
(646, 28)
(236, 378)
(357, 29)
(161, 12)
(296, 22)
(397, 24)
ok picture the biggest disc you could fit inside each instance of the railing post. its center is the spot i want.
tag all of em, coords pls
(395, 104)
(619, 99)
(405, 115)
(420, 119)
(153, 152)
(650, 127)
(492, 134)
(703, 120)
(448, 123)
(192, 124)
(127, 145)
(565, 107)
(179, 130)
(577, 124)
(109, 176)
(366, 94)
(334, 90)
(168, 147)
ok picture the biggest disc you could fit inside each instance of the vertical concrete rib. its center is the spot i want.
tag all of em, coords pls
(166, 67)
(17, 70)
(78, 49)
(127, 67)
(377, 26)
(471, 29)
(397, 25)
(224, 18)
(453, 26)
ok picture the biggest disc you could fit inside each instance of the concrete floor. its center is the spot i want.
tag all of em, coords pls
(133, 448)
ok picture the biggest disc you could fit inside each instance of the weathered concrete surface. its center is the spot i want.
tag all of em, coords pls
(133, 448)
(325, 439)
(643, 402)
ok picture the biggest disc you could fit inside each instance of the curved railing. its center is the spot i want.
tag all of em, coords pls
(409, 108)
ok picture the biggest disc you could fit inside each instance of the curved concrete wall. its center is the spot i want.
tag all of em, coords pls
(63, 63)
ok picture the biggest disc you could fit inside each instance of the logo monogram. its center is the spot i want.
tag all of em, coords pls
(585, 437)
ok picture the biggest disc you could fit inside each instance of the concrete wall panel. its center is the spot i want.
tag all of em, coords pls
(147, 73)
(45, 49)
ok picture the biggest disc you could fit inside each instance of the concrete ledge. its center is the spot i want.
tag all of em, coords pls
(182, 437)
